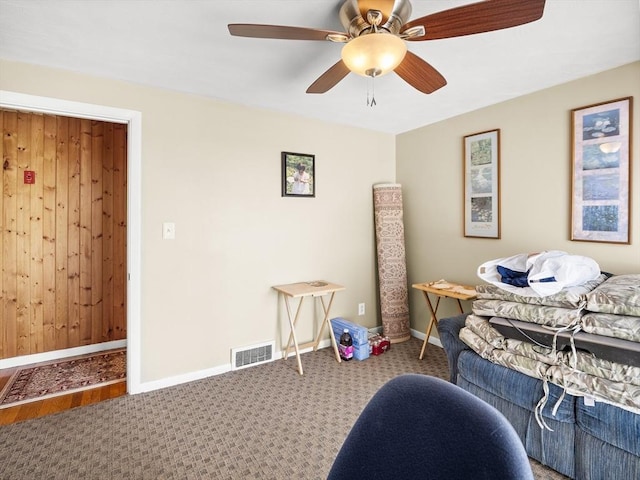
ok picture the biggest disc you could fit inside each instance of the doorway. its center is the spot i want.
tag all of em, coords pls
(132, 119)
(64, 212)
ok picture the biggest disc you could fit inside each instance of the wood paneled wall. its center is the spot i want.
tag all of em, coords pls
(63, 238)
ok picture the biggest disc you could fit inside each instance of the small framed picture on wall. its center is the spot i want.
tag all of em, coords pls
(298, 175)
(482, 184)
(601, 171)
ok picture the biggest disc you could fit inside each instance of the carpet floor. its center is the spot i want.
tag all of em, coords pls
(263, 422)
(60, 377)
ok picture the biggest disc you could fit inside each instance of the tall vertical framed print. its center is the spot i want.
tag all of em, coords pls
(601, 172)
(482, 184)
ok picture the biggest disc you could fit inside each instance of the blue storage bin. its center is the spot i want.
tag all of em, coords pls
(361, 352)
(359, 334)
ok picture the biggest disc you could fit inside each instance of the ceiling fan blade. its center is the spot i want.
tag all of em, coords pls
(477, 18)
(419, 74)
(329, 79)
(280, 31)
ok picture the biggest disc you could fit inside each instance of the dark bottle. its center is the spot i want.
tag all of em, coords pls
(346, 345)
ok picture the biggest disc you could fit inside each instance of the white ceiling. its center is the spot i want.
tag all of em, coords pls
(185, 46)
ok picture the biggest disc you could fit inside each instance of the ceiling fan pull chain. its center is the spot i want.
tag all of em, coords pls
(371, 103)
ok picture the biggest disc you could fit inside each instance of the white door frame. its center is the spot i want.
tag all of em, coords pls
(133, 119)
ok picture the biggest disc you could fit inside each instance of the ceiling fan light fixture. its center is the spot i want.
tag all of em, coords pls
(374, 54)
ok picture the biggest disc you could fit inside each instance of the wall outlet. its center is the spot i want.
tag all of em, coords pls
(169, 231)
(361, 309)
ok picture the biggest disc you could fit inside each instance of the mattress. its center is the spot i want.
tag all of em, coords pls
(607, 348)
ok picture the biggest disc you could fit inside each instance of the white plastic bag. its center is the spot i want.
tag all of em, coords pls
(547, 272)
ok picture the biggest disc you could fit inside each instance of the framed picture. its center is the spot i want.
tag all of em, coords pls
(298, 175)
(482, 184)
(601, 171)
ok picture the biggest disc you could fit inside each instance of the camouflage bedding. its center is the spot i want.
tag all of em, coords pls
(625, 327)
(619, 295)
(608, 305)
(580, 374)
(540, 314)
(571, 297)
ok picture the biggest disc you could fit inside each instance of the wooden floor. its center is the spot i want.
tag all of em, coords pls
(48, 406)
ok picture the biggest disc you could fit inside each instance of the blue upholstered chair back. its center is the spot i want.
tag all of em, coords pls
(417, 426)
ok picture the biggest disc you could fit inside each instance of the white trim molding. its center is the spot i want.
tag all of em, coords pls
(421, 335)
(59, 354)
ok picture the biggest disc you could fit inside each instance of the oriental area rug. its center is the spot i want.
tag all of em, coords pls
(60, 377)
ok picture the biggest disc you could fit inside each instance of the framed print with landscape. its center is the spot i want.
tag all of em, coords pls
(298, 175)
(601, 171)
(482, 184)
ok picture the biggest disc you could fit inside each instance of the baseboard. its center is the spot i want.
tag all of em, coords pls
(169, 381)
(210, 372)
(184, 378)
(323, 344)
(432, 340)
(59, 354)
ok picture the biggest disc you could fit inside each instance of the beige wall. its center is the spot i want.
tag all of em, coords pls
(214, 169)
(535, 183)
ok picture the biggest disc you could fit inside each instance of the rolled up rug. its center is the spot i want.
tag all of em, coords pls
(392, 267)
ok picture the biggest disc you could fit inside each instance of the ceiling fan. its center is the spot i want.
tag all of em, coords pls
(376, 31)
